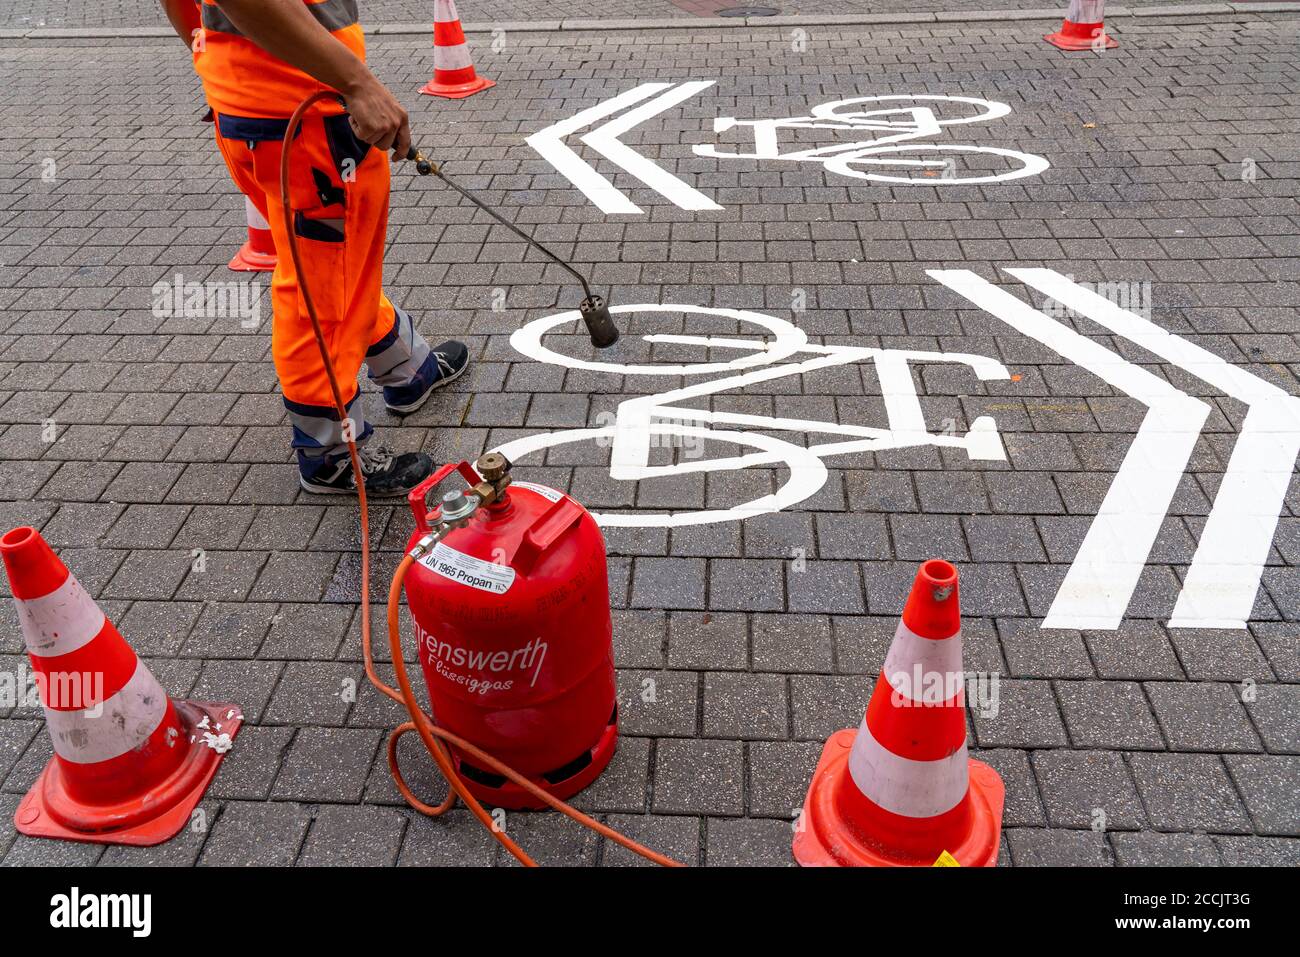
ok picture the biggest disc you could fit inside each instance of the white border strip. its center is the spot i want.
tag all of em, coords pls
(917, 789)
(61, 622)
(124, 722)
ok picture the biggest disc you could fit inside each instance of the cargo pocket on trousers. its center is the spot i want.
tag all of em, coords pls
(318, 226)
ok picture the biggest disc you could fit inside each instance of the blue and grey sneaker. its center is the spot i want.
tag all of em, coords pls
(387, 475)
(445, 363)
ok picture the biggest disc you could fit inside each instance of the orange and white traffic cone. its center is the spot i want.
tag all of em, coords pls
(1084, 28)
(901, 790)
(129, 764)
(258, 254)
(453, 71)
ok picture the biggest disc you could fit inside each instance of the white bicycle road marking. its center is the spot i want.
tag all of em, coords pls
(897, 125)
(760, 360)
(1221, 585)
(901, 126)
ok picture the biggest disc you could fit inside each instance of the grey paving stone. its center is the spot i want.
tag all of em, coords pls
(779, 775)
(745, 706)
(550, 839)
(640, 638)
(712, 639)
(677, 837)
(1270, 785)
(327, 764)
(295, 576)
(1027, 717)
(314, 693)
(861, 643)
(158, 628)
(250, 767)
(1088, 789)
(668, 583)
(622, 786)
(746, 585)
(1023, 806)
(1108, 714)
(694, 775)
(823, 704)
(1202, 717)
(791, 642)
(783, 535)
(306, 632)
(455, 839)
(40, 852)
(1032, 652)
(1152, 849)
(658, 702)
(1188, 792)
(853, 536)
(1137, 650)
(229, 630)
(827, 587)
(1281, 644)
(1273, 712)
(1213, 654)
(1047, 847)
(256, 835)
(749, 842)
(15, 735)
(246, 683)
(347, 836)
(1259, 851)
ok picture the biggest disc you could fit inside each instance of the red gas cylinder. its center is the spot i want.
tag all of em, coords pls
(511, 614)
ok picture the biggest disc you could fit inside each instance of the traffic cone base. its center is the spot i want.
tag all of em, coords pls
(249, 259)
(828, 837)
(1081, 36)
(258, 252)
(457, 90)
(49, 810)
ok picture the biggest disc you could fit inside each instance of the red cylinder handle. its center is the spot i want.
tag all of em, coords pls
(416, 497)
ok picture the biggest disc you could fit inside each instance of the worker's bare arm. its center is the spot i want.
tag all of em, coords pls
(184, 18)
(287, 31)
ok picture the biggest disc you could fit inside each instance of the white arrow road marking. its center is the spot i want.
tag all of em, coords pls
(1221, 584)
(605, 140)
(549, 142)
(1101, 581)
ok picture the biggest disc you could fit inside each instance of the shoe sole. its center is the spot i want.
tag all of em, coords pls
(414, 406)
(329, 490)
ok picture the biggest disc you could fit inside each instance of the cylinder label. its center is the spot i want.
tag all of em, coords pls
(468, 570)
(545, 491)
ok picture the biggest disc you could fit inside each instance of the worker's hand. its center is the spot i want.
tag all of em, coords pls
(377, 118)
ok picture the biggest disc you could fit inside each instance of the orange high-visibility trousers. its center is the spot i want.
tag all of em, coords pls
(338, 188)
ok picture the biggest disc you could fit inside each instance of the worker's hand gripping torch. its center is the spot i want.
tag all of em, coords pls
(593, 309)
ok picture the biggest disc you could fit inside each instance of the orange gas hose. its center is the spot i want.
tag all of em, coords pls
(431, 734)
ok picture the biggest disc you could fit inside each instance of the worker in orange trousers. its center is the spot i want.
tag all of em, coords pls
(258, 59)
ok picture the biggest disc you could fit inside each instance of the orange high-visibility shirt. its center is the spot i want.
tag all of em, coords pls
(240, 77)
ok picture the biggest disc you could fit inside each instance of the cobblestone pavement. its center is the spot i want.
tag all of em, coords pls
(134, 13)
(169, 435)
